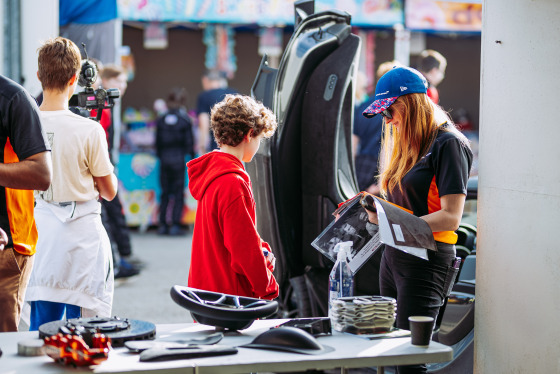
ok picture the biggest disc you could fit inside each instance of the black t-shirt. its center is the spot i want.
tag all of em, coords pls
(174, 137)
(444, 170)
(20, 121)
(21, 136)
(206, 100)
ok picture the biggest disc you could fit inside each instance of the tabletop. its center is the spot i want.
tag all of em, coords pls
(350, 351)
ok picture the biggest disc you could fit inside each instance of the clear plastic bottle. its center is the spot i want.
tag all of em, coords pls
(341, 281)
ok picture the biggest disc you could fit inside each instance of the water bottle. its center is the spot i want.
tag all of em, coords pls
(341, 282)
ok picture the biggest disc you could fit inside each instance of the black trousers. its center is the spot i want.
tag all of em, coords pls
(112, 216)
(416, 284)
(172, 182)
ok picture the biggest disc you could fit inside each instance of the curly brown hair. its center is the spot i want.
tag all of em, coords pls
(232, 118)
(59, 60)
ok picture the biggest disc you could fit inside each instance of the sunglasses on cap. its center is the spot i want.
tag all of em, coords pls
(386, 114)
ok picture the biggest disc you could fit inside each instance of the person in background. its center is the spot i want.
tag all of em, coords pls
(425, 169)
(228, 254)
(366, 141)
(432, 66)
(215, 88)
(114, 76)
(73, 271)
(174, 141)
(25, 165)
(361, 88)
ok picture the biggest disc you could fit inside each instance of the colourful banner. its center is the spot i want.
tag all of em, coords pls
(139, 190)
(444, 15)
(380, 13)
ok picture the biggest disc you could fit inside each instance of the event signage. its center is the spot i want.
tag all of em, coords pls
(443, 15)
(419, 15)
(368, 13)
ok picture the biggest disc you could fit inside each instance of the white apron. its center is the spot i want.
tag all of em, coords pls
(73, 263)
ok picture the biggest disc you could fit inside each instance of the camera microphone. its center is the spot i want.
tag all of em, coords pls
(90, 98)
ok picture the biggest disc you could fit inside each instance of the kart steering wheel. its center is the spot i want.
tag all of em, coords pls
(222, 310)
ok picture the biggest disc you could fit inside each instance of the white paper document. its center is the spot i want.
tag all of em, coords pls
(397, 228)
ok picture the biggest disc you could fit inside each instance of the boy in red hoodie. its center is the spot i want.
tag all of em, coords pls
(227, 251)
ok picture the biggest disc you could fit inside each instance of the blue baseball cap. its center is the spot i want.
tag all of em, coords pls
(396, 82)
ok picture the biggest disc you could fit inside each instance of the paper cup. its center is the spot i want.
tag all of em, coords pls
(421, 329)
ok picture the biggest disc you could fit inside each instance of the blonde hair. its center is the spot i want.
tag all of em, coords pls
(421, 119)
(386, 66)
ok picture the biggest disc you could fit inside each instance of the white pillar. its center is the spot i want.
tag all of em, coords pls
(517, 328)
(402, 44)
(117, 110)
(39, 21)
(2, 40)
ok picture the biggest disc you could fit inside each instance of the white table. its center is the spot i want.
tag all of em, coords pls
(350, 352)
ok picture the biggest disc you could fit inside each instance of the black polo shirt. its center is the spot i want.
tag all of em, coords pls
(21, 136)
(444, 170)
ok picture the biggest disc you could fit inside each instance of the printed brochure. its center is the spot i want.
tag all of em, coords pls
(397, 228)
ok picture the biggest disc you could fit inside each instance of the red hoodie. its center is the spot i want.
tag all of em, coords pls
(227, 251)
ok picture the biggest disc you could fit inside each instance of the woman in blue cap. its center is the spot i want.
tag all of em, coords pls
(425, 167)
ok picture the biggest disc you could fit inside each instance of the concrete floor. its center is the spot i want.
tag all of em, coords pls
(146, 296)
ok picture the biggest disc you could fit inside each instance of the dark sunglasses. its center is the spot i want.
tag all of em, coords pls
(386, 114)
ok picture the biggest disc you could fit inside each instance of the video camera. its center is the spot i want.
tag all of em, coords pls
(89, 98)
